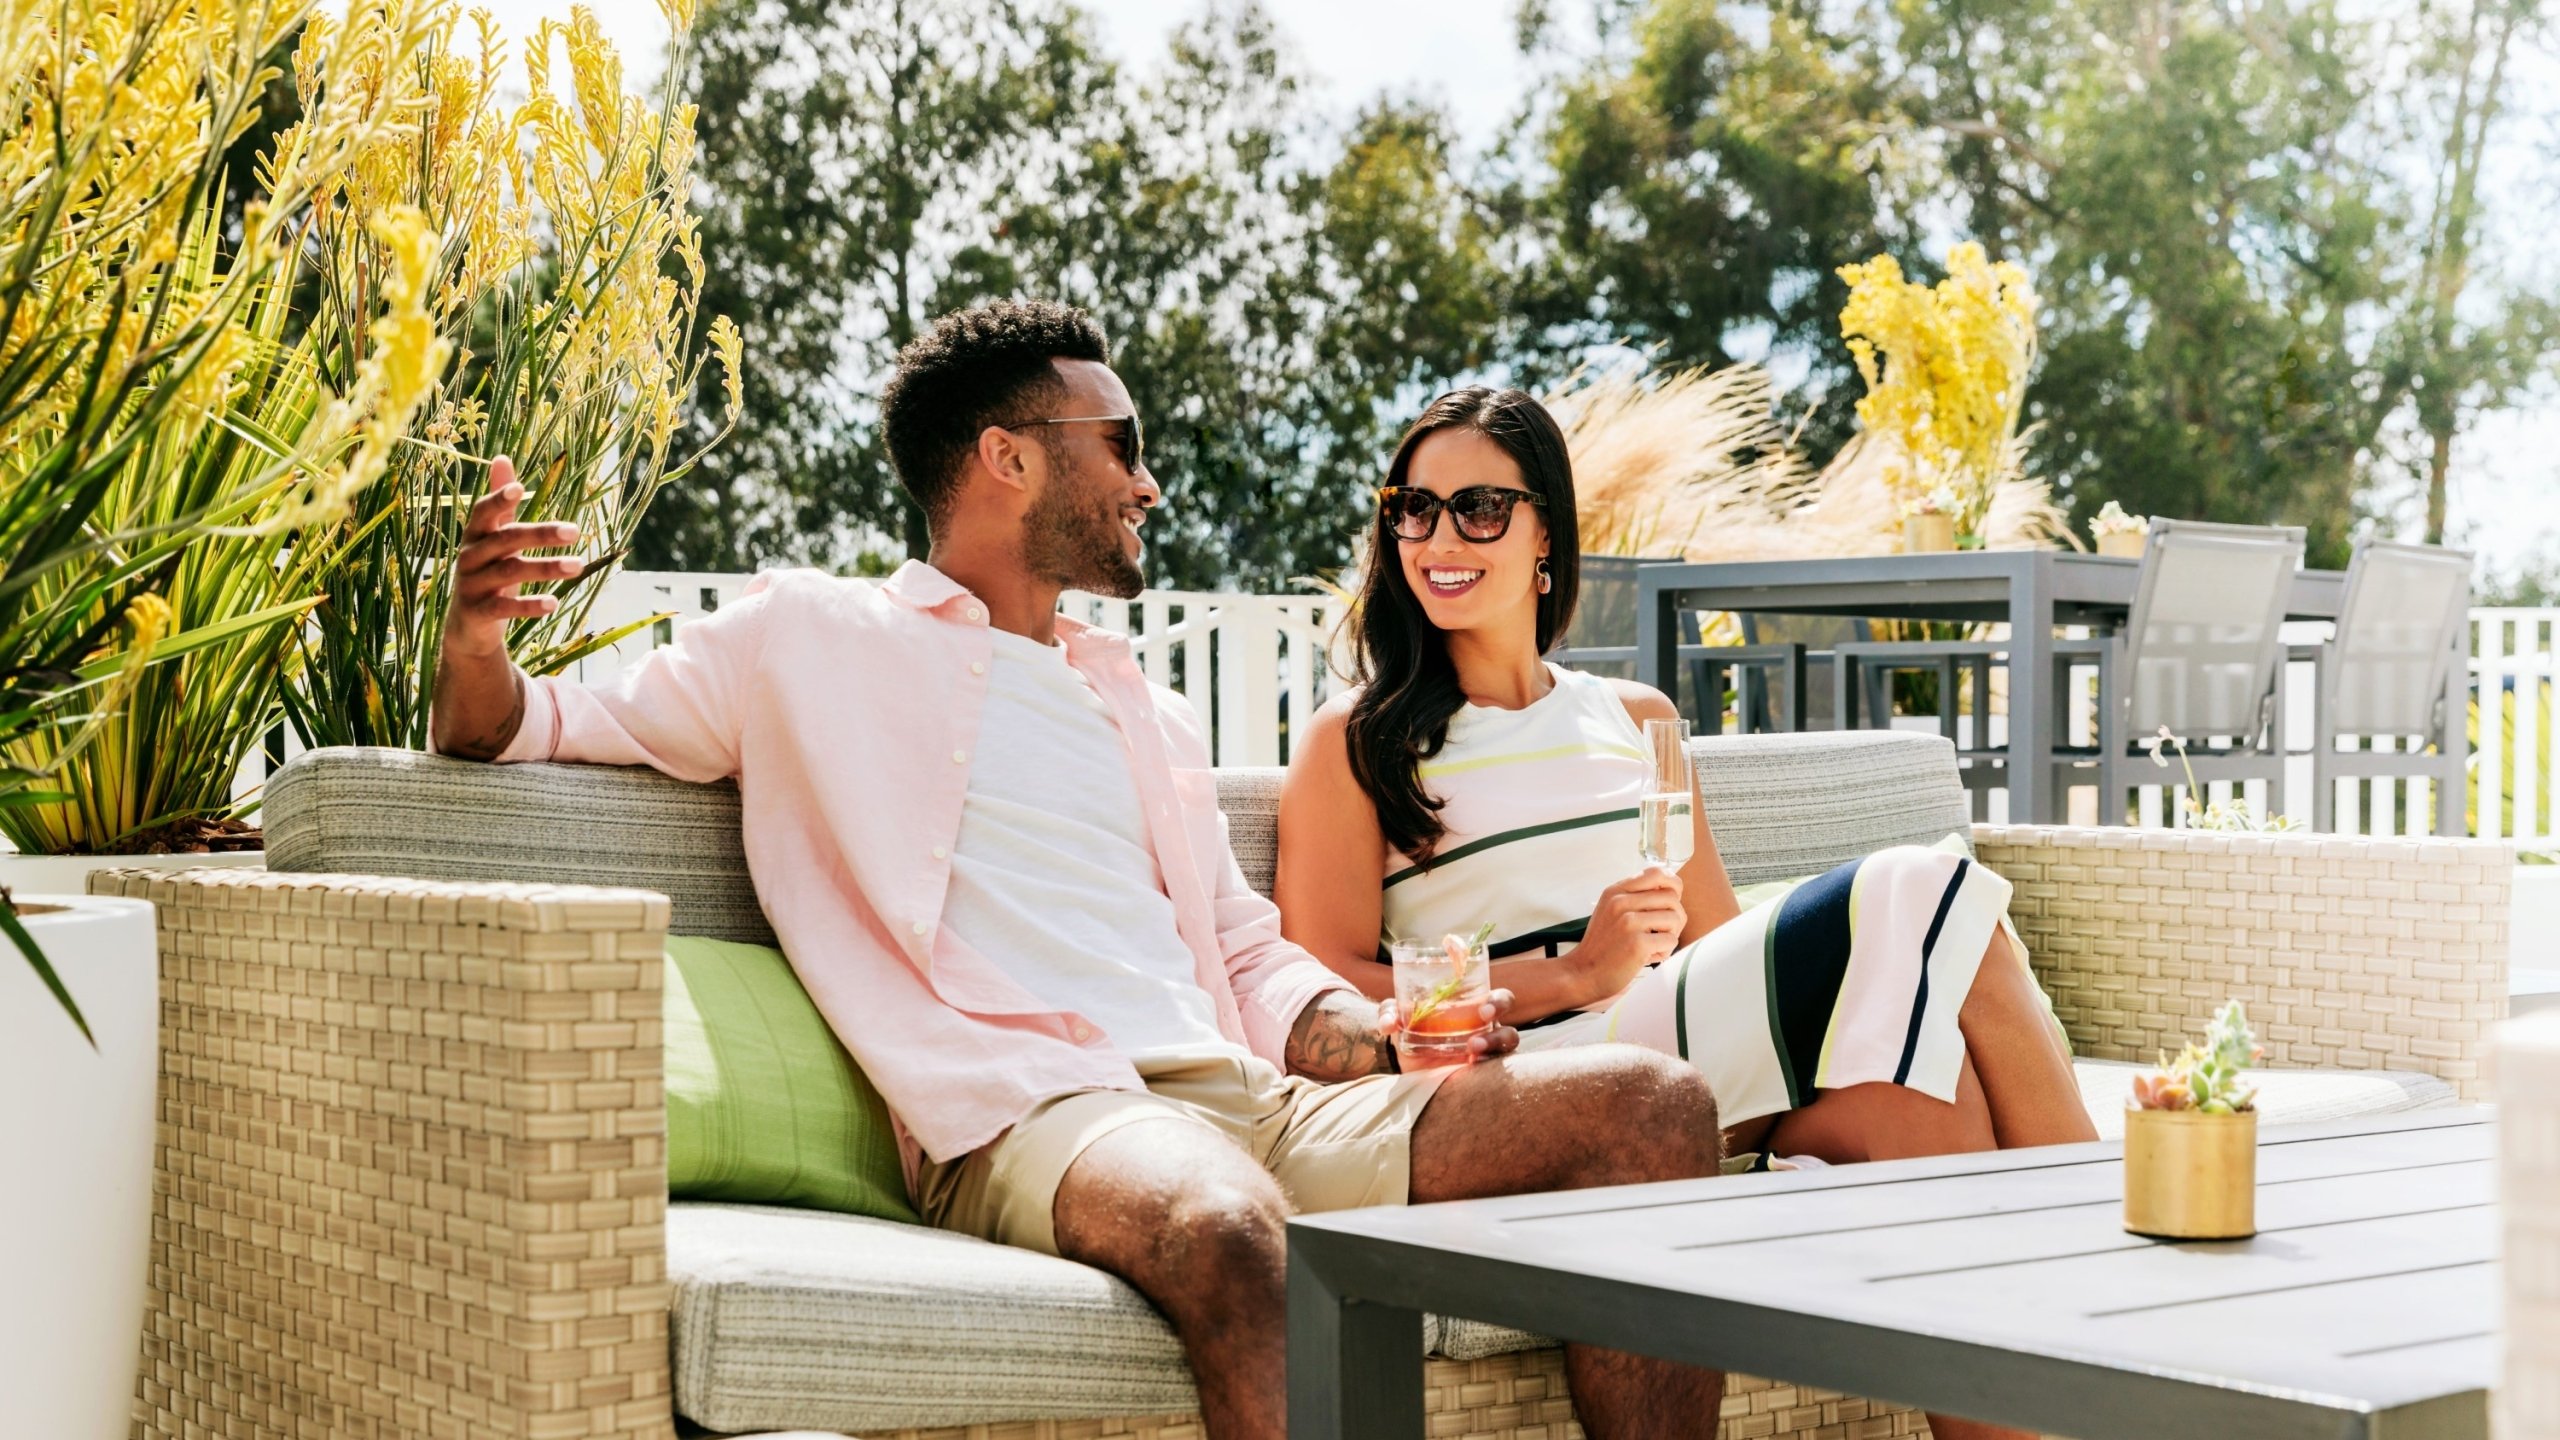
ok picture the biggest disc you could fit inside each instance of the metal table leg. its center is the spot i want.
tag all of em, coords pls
(2034, 798)
(1658, 638)
(1355, 1369)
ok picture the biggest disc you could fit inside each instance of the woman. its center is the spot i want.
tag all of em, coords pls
(1881, 1010)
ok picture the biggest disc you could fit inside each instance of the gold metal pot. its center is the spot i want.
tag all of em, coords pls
(1928, 534)
(2124, 544)
(2190, 1176)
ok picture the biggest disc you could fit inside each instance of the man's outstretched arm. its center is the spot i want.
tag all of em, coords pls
(480, 695)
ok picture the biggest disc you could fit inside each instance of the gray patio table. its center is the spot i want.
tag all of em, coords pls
(2033, 590)
(2000, 1287)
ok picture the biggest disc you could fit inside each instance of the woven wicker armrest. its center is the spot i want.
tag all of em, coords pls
(412, 1173)
(2349, 952)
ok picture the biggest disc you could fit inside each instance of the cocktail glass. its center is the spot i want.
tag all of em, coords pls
(1441, 989)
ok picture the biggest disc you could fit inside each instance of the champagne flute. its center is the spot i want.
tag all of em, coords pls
(1666, 833)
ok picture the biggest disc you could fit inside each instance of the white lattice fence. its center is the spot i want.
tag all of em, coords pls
(1254, 667)
(2513, 671)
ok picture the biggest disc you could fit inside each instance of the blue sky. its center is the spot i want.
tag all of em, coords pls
(1458, 53)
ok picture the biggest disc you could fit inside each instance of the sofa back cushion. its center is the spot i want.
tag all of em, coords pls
(763, 1104)
(358, 811)
(1782, 806)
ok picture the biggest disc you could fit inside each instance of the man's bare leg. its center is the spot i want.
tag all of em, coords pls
(1564, 1120)
(1189, 1219)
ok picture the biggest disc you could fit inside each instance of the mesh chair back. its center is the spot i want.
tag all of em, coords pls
(2202, 644)
(2396, 628)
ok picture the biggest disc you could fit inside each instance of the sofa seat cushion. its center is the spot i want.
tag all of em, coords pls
(2285, 1097)
(789, 1319)
(802, 1319)
(799, 1319)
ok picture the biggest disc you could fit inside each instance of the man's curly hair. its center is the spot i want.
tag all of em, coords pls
(986, 365)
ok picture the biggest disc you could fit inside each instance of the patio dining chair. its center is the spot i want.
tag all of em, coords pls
(1860, 669)
(1602, 640)
(2199, 656)
(2384, 672)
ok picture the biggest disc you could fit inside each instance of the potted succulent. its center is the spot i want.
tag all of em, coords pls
(1929, 525)
(2119, 534)
(2191, 1140)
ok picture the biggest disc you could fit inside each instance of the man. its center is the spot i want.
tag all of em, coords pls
(995, 858)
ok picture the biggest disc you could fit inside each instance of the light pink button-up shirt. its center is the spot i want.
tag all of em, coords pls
(848, 710)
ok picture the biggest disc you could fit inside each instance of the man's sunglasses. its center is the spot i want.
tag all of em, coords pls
(1127, 436)
(1482, 512)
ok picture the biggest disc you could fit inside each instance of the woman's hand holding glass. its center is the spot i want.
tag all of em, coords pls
(1636, 923)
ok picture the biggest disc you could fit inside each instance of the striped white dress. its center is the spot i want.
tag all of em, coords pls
(1540, 805)
(1852, 976)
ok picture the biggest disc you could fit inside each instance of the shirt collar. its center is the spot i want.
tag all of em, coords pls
(919, 584)
(922, 586)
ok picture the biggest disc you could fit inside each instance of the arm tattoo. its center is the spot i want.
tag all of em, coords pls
(1337, 1038)
(493, 743)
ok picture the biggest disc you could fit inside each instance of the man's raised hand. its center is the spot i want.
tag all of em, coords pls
(479, 700)
(493, 562)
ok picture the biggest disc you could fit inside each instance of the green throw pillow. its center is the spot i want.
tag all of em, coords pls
(763, 1104)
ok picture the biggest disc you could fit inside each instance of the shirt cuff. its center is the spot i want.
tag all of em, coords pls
(537, 735)
(1292, 991)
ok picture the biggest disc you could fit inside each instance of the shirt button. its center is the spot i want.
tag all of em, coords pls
(959, 757)
(920, 927)
(977, 614)
(1082, 1031)
(977, 667)
(939, 852)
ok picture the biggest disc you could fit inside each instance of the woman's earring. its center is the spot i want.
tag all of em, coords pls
(1546, 580)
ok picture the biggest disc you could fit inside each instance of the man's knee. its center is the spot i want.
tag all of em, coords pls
(1662, 1116)
(1225, 1233)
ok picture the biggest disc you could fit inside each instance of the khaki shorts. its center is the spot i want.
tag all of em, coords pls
(1331, 1147)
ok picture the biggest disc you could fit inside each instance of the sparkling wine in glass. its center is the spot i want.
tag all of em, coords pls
(1666, 830)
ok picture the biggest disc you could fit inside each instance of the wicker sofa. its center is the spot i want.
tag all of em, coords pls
(411, 1179)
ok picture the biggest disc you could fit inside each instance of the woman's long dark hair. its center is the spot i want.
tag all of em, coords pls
(1409, 687)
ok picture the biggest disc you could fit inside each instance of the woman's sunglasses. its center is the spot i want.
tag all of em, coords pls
(1482, 512)
(1127, 436)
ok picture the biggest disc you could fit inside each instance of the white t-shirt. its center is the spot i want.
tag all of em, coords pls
(1053, 879)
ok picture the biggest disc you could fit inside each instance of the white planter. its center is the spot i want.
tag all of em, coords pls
(76, 1128)
(69, 874)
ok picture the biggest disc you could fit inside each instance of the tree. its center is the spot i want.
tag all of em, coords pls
(2467, 344)
(849, 152)
(1272, 317)
(1700, 180)
(2211, 250)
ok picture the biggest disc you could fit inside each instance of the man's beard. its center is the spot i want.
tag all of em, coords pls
(1077, 545)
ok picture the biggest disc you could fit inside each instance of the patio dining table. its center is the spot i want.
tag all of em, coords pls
(2033, 591)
